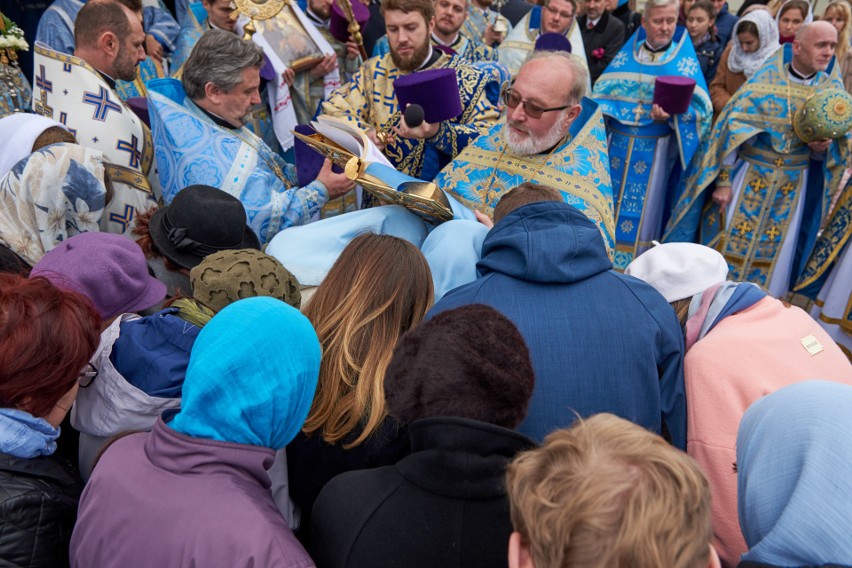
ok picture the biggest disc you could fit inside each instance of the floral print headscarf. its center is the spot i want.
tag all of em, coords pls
(52, 194)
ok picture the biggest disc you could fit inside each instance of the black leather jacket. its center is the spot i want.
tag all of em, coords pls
(38, 507)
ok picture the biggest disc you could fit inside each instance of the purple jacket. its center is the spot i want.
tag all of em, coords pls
(161, 498)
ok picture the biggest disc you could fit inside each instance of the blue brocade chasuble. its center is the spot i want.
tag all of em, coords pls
(757, 124)
(643, 153)
(578, 168)
(192, 149)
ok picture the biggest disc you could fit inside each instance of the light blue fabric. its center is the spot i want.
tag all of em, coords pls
(192, 149)
(794, 458)
(309, 251)
(24, 436)
(252, 375)
(450, 271)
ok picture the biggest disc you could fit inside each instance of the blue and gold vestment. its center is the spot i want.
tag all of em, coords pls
(578, 168)
(759, 232)
(369, 101)
(642, 152)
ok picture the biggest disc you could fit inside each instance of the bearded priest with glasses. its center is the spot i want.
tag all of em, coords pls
(546, 137)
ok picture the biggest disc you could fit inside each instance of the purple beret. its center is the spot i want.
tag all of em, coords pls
(436, 90)
(109, 269)
(338, 25)
(673, 93)
(552, 42)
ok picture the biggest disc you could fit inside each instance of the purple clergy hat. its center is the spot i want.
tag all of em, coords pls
(552, 42)
(436, 90)
(338, 25)
(673, 93)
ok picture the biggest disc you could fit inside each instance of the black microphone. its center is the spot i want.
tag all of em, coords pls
(413, 115)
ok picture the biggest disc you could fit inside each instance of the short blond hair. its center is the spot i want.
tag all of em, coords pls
(608, 493)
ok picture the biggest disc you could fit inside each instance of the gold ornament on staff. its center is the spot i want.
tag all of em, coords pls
(353, 28)
(256, 10)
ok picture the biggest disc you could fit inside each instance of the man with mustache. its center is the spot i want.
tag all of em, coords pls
(773, 184)
(369, 100)
(550, 135)
(200, 137)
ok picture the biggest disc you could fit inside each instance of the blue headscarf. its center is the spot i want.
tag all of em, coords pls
(252, 375)
(794, 458)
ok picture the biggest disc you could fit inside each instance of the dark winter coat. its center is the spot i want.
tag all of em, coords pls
(443, 505)
(38, 507)
(607, 34)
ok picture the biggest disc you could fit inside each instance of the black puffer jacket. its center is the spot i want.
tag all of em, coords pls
(38, 507)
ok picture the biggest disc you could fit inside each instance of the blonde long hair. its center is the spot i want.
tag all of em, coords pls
(378, 289)
(842, 37)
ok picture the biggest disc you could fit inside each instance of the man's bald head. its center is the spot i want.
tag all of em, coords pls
(814, 47)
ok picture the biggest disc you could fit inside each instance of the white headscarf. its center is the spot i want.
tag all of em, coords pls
(51, 195)
(767, 30)
(20, 131)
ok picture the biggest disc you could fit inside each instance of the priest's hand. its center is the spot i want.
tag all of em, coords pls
(490, 37)
(820, 146)
(352, 50)
(288, 75)
(336, 184)
(722, 195)
(484, 219)
(423, 131)
(324, 67)
(153, 48)
(378, 141)
(657, 113)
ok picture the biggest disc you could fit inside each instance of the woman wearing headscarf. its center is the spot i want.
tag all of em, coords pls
(378, 289)
(47, 336)
(794, 455)
(740, 344)
(755, 38)
(142, 361)
(792, 16)
(194, 491)
(50, 195)
(25, 133)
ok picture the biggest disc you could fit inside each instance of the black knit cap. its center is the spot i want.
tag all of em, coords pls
(470, 362)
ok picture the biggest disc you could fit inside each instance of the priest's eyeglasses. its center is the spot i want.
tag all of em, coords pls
(87, 376)
(532, 110)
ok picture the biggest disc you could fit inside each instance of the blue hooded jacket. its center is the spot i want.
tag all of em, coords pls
(600, 341)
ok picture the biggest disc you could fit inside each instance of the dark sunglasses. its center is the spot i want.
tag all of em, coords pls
(88, 376)
(532, 110)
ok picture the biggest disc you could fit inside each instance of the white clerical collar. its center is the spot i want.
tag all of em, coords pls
(427, 60)
(802, 77)
(439, 41)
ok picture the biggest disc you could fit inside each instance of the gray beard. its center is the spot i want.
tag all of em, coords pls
(529, 146)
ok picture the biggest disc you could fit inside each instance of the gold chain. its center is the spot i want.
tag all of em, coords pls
(543, 163)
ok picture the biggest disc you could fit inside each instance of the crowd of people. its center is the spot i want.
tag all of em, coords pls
(593, 307)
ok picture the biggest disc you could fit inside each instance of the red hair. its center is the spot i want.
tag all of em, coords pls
(47, 336)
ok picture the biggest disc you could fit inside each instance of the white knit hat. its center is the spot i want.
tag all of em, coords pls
(679, 270)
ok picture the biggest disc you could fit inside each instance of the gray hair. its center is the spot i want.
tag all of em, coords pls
(653, 4)
(219, 57)
(579, 73)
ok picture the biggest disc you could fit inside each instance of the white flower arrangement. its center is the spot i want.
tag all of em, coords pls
(13, 38)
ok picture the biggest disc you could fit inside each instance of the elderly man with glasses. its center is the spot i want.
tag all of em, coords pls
(550, 135)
